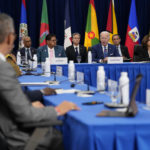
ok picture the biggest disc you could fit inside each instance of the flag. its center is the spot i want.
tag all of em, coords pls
(132, 35)
(91, 31)
(67, 37)
(23, 28)
(44, 29)
(111, 21)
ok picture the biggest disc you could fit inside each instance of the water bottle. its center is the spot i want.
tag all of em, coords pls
(71, 71)
(18, 58)
(101, 78)
(124, 87)
(35, 61)
(89, 57)
(47, 71)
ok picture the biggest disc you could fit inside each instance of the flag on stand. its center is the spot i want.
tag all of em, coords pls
(111, 21)
(67, 37)
(44, 29)
(91, 31)
(132, 35)
(23, 28)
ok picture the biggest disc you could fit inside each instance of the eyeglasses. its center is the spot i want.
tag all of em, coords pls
(53, 40)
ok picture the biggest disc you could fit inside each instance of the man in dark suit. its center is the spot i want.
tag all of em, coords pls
(123, 50)
(76, 50)
(102, 51)
(27, 51)
(51, 50)
(15, 108)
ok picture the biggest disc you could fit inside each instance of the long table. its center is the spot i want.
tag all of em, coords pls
(113, 72)
(82, 130)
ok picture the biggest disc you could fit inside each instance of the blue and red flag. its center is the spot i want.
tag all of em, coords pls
(67, 38)
(23, 29)
(132, 35)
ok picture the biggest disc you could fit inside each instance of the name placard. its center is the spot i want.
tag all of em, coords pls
(60, 60)
(115, 60)
(59, 71)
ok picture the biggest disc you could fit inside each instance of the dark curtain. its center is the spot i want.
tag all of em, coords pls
(78, 14)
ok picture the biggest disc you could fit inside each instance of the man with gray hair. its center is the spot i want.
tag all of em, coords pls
(76, 51)
(102, 51)
(15, 108)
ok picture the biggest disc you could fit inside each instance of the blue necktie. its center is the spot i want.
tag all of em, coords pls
(105, 52)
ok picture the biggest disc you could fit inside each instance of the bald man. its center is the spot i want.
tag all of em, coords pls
(102, 51)
(27, 51)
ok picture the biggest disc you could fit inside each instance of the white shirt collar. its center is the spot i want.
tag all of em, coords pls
(76, 46)
(105, 46)
(2, 57)
(50, 48)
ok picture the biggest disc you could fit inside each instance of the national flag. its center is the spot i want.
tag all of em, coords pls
(67, 37)
(132, 35)
(44, 29)
(91, 31)
(23, 28)
(111, 21)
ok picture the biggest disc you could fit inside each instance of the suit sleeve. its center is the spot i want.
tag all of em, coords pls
(94, 54)
(63, 54)
(116, 53)
(84, 54)
(18, 104)
(126, 52)
(39, 55)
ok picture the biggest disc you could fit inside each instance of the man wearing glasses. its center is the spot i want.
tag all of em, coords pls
(51, 50)
(27, 51)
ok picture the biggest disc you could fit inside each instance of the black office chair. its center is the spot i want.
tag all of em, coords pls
(137, 49)
(41, 128)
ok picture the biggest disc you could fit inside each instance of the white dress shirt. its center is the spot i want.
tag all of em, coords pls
(103, 48)
(2, 57)
(119, 50)
(77, 48)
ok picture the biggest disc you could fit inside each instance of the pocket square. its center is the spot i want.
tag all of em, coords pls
(111, 54)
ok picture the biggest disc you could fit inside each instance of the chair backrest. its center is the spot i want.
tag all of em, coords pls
(3, 144)
(137, 49)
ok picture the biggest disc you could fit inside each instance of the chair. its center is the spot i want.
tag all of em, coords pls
(41, 128)
(137, 49)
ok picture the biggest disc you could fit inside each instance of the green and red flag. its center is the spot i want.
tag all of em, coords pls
(91, 32)
(44, 29)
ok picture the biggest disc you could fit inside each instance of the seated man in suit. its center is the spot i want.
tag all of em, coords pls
(76, 50)
(123, 50)
(102, 51)
(51, 50)
(27, 51)
(15, 108)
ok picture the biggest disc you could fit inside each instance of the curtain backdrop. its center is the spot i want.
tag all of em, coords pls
(78, 15)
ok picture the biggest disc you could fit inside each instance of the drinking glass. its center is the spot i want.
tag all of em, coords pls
(113, 91)
(78, 59)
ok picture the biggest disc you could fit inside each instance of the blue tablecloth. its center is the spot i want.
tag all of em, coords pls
(82, 130)
(113, 72)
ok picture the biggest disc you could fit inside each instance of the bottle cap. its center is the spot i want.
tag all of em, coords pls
(101, 68)
(71, 61)
(124, 73)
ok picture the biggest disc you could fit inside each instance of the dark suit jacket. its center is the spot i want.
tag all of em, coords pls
(15, 108)
(22, 51)
(97, 52)
(42, 52)
(124, 51)
(141, 54)
(70, 52)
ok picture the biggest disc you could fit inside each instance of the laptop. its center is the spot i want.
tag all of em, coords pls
(131, 109)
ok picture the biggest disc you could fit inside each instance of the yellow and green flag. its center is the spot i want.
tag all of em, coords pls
(111, 21)
(91, 32)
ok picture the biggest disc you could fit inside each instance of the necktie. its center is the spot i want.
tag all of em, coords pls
(76, 51)
(29, 53)
(105, 52)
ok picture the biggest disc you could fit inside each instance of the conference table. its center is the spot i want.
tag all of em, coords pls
(113, 72)
(83, 130)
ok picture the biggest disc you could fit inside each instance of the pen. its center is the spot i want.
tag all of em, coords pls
(92, 103)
